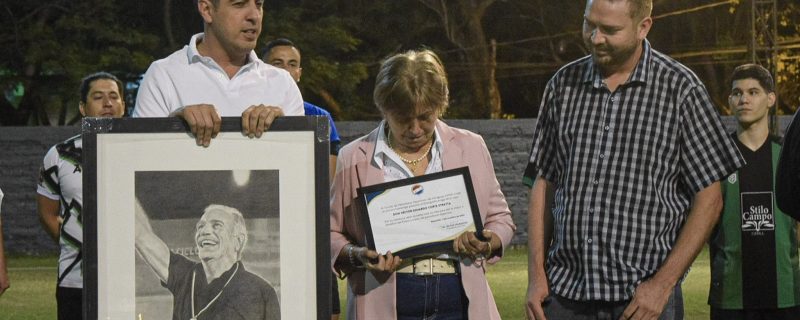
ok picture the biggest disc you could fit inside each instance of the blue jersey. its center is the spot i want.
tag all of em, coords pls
(312, 110)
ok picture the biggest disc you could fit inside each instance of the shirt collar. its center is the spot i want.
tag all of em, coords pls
(382, 147)
(194, 55)
(191, 52)
(220, 281)
(641, 74)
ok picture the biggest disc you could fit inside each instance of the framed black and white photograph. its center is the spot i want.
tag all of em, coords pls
(176, 230)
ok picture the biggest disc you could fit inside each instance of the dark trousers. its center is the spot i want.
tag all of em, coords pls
(439, 297)
(562, 308)
(792, 313)
(70, 303)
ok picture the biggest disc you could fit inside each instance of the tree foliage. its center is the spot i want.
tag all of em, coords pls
(462, 23)
(330, 72)
(788, 60)
(48, 46)
(490, 48)
(713, 41)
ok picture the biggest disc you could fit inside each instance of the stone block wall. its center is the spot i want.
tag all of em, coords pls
(22, 149)
(21, 153)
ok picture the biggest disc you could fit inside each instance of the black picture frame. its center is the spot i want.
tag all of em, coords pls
(287, 147)
(431, 247)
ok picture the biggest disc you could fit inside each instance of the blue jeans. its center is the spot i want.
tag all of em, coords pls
(439, 297)
(557, 308)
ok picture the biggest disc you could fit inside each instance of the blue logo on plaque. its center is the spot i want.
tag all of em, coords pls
(417, 189)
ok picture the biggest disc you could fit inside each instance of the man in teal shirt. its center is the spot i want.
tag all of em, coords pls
(754, 259)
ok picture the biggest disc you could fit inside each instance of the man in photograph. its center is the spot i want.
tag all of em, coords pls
(217, 287)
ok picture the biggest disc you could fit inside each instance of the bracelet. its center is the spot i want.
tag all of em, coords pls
(350, 254)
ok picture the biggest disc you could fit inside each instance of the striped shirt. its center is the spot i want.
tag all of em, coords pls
(61, 179)
(625, 166)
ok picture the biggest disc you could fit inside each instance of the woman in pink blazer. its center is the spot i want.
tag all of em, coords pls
(411, 93)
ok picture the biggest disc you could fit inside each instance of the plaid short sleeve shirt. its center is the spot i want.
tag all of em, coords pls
(625, 166)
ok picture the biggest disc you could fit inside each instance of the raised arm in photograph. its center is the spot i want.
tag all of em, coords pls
(149, 246)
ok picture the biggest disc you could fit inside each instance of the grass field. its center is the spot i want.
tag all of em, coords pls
(32, 292)
(33, 289)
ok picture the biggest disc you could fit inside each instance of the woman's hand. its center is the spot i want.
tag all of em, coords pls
(374, 261)
(468, 244)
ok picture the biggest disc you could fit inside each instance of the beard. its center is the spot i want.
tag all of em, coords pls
(610, 58)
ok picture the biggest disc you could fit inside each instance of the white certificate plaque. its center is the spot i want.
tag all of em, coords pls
(420, 215)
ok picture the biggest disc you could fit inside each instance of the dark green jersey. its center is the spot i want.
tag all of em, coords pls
(754, 259)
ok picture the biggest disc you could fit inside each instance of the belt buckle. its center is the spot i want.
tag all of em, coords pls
(424, 273)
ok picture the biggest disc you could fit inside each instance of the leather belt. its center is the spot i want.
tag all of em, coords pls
(428, 266)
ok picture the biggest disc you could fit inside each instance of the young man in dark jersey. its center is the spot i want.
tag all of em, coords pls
(754, 258)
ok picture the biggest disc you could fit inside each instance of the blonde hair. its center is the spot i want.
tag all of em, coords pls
(638, 9)
(410, 81)
(641, 8)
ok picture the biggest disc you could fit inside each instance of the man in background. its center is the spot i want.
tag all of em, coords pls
(754, 259)
(60, 191)
(219, 75)
(282, 53)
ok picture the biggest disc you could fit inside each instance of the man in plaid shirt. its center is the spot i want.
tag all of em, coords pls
(625, 167)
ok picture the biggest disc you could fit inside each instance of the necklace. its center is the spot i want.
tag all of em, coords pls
(194, 273)
(412, 163)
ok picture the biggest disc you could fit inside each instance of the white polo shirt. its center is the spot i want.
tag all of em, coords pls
(187, 78)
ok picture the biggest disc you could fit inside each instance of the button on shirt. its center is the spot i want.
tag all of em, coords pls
(188, 78)
(626, 166)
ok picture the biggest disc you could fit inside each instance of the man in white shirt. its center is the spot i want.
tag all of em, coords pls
(218, 74)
